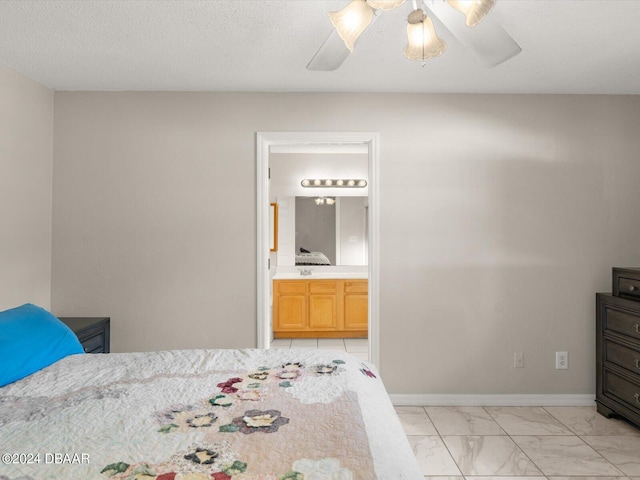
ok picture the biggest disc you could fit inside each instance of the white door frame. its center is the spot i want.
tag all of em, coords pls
(264, 140)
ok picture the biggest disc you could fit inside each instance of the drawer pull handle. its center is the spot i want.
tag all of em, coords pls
(637, 327)
(637, 397)
(632, 288)
(637, 363)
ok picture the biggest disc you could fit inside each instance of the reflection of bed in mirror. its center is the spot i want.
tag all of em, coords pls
(337, 231)
(311, 258)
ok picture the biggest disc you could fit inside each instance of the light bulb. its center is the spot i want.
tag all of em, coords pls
(317, 182)
(351, 183)
(423, 42)
(362, 183)
(331, 201)
(339, 182)
(305, 182)
(351, 21)
(328, 183)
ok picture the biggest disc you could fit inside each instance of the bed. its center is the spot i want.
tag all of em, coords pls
(203, 414)
(312, 258)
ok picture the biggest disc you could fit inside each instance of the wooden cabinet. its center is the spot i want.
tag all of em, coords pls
(291, 307)
(320, 308)
(626, 283)
(323, 305)
(356, 305)
(618, 357)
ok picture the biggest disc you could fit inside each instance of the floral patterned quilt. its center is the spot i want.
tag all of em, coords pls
(203, 414)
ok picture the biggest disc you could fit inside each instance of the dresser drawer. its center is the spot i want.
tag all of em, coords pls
(625, 322)
(622, 356)
(626, 283)
(629, 288)
(623, 390)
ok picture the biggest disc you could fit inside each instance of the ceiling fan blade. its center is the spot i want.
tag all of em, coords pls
(330, 55)
(488, 41)
(333, 51)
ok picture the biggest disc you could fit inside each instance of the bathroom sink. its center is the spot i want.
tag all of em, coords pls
(319, 275)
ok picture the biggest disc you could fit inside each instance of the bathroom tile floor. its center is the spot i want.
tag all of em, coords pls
(521, 443)
(358, 347)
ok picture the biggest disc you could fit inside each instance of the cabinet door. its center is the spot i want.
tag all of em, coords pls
(289, 305)
(356, 305)
(323, 305)
(323, 312)
(291, 312)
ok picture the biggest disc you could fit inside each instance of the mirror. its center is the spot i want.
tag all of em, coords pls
(339, 230)
(333, 233)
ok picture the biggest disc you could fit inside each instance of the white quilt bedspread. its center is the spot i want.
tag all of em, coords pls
(312, 258)
(203, 414)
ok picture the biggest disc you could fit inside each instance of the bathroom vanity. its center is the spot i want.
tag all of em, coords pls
(320, 307)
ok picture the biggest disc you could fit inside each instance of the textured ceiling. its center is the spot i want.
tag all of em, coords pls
(569, 46)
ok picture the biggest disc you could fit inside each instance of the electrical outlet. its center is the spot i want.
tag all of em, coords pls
(562, 360)
(518, 360)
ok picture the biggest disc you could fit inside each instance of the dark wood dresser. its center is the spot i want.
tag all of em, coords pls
(618, 347)
(626, 283)
(93, 332)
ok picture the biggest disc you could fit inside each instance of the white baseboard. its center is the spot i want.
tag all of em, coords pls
(520, 400)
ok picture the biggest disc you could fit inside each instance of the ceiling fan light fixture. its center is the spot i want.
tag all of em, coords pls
(385, 5)
(474, 10)
(423, 41)
(351, 21)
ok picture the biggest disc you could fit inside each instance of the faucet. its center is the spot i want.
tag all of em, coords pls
(306, 271)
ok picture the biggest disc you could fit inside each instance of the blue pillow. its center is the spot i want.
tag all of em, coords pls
(31, 339)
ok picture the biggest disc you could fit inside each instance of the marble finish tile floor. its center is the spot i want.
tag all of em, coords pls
(521, 443)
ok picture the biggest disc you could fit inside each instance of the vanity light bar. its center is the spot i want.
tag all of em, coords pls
(334, 183)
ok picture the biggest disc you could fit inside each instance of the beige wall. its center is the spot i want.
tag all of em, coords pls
(26, 153)
(513, 210)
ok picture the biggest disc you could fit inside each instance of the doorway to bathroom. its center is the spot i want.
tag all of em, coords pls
(354, 259)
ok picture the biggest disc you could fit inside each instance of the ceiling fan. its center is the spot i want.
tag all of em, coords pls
(467, 20)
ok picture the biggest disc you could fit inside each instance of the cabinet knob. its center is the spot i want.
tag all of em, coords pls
(632, 288)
